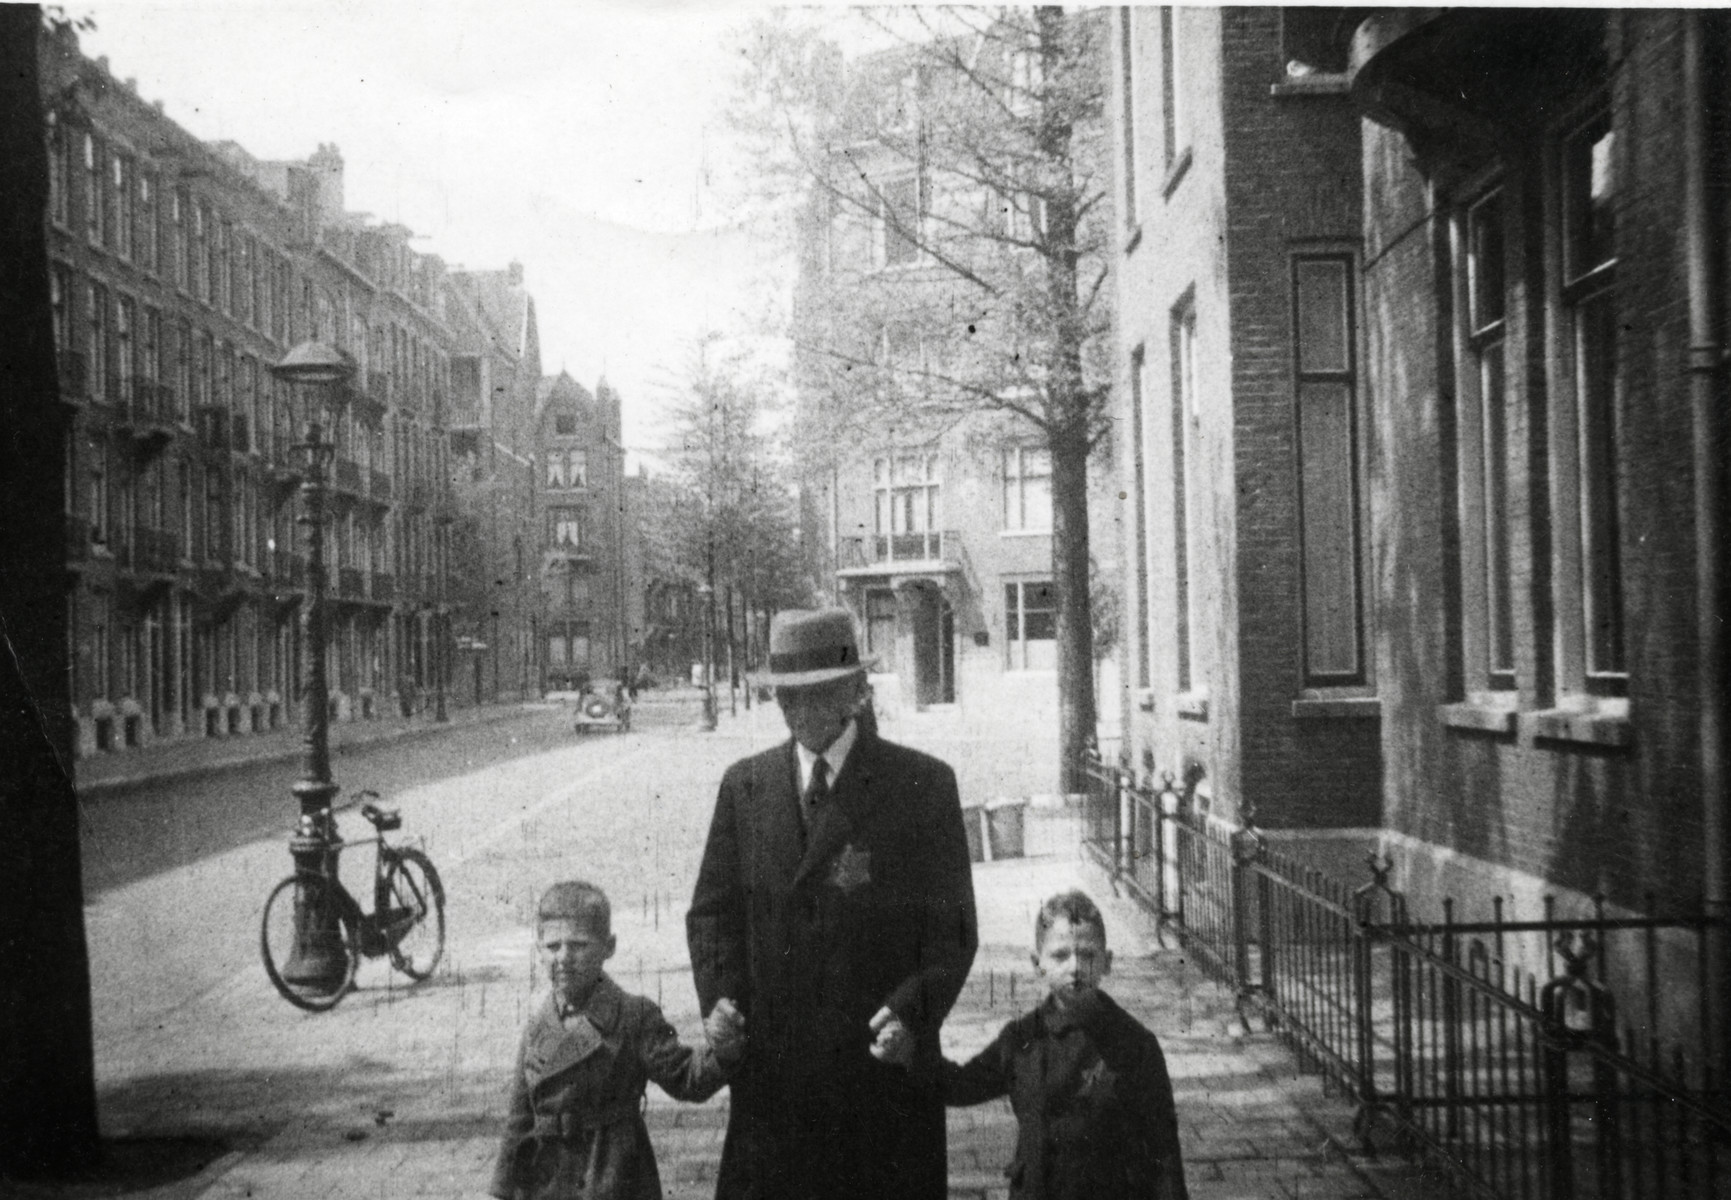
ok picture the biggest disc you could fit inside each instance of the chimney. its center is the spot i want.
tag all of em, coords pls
(514, 274)
(326, 164)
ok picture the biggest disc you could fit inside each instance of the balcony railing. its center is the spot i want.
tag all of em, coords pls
(287, 569)
(418, 492)
(384, 587)
(379, 387)
(882, 549)
(351, 583)
(381, 484)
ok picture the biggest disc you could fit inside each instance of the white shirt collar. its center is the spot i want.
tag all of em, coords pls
(835, 756)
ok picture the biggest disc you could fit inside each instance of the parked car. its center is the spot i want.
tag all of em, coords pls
(603, 711)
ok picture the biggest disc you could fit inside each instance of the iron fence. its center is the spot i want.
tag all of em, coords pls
(1538, 1058)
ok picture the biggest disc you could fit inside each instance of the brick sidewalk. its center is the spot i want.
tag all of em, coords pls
(399, 1092)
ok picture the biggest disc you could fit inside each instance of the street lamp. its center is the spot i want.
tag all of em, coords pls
(707, 593)
(317, 964)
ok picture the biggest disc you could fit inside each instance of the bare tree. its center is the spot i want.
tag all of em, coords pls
(953, 266)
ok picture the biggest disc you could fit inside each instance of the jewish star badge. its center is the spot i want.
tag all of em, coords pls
(853, 868)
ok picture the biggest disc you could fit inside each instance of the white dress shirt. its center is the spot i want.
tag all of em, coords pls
(834, 756)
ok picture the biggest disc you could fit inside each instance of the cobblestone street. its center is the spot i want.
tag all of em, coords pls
(399, 1091)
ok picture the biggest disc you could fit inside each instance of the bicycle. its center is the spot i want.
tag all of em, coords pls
(313, 934)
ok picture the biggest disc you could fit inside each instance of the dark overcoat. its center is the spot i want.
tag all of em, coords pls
(575, 1126)
(1093, 1101)
(811, 933)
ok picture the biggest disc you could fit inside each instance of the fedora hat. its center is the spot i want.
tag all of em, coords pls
(808, 647)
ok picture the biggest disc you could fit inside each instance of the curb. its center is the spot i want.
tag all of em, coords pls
(105, 788)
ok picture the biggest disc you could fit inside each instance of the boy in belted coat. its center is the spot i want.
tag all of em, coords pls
(835, 905)
(1094, 1113)
(576, 1119)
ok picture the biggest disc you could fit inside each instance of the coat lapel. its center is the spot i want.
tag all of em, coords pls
(849, 802)
(776, 811)
(557, 1048)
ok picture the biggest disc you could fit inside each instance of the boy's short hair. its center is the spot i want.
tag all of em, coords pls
(576, 900)
(1073, 906)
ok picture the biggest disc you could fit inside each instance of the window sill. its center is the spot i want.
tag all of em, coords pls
(1191, 706)
(1312, 85)
(1479, 718)
(1024, 533)
(1318, 708)
(1132, 237)
(1175, 174)
(1594, 723)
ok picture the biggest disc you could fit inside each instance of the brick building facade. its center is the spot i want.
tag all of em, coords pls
(1544, 261)
(581, 524)
(1241, 405)
(1421, 329)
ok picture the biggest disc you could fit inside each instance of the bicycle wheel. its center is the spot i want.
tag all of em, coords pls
(307, 941)
(412, 914)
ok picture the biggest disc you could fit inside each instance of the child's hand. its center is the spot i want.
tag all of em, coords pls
(894, 1044)
(725, 1029)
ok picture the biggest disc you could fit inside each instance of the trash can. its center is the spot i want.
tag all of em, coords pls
(972, 816)
(1004, 817)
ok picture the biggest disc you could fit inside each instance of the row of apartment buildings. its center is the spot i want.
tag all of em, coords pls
(1420, 376)
(473, 537)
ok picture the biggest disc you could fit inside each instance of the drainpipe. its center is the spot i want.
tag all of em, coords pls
(1705, 358)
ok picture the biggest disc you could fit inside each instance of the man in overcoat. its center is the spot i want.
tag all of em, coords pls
(835, 907)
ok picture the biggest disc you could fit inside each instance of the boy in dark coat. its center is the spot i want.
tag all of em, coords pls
(576, 1121)
(1093, 1103)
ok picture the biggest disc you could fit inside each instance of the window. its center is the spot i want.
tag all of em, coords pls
(1172, 83)
(1031, 625)
(565, 527)
(59, 172)
(99, 665)
(125, 316)
(567, 469)
(96, 309)
(1589, 576)
(900, 211)
(880, 625)
(150, 347)
(218, 294)
(1127, 85)
(241, 288)
(1028, 489)
(148, 245)
(96, 461)
(1487, 581)
(576, 590)
(1183, 454)
(1139, 516)
(1315, 41)
(197, 253)
(57, 285)
(125, 204)
(179, 244)
(183, 371)
(1325, 371)
(93, 212)
(906, 488)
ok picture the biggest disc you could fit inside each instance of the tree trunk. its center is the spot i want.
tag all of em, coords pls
(47, 1076)
(1070, 573)
(1068, 409)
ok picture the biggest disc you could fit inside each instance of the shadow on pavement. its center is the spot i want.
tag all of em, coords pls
(130, 1166)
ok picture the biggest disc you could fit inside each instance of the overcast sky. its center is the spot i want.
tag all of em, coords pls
(581, 139)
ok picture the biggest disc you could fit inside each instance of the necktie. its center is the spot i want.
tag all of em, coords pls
(817, 791)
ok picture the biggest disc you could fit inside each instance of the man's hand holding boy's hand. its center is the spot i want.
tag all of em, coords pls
(895, 1043)
(725, 1029)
